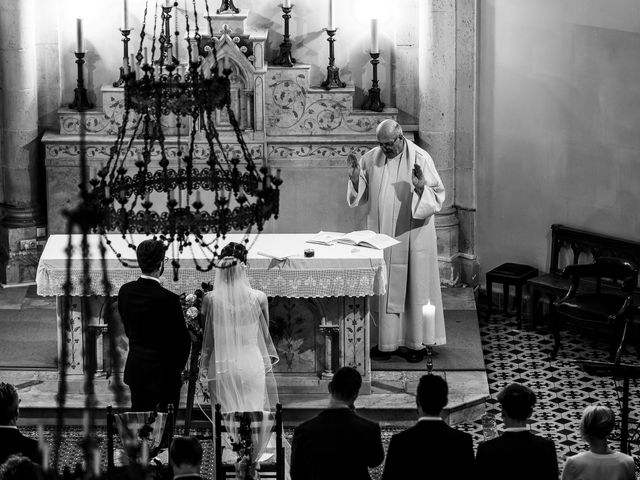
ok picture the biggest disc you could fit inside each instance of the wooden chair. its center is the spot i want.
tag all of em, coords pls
(608, 304)
(167, 434)
(267, 470)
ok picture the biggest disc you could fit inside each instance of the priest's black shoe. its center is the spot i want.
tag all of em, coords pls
(414, 356)
(376, 354)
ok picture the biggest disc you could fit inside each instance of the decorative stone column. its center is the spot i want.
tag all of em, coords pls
(437, 118)
(18, 157)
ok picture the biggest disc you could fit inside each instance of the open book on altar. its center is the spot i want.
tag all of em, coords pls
(361, 238)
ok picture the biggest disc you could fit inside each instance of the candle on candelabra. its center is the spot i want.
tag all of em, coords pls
(374, 36)
(145, 54)
(144, 454)
(286, 3)
(167, 3)
(429, 316)
(332, 19)
(96, 462)
(79, 39)
(125, 14)
(198, 199)
(132, 63)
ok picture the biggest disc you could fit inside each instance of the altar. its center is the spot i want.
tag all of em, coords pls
(318, 306)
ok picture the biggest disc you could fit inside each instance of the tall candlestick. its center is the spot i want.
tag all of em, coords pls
(374, 36)
(429, 316)
(79, 39)
(331, 16)
(125, 15)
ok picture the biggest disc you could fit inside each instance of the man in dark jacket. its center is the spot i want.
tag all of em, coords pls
(338, 444)
(158, 339)
(430, 449)
(517, 453)
(11, 440)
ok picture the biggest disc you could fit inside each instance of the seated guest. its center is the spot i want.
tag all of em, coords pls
(431, 445)
(185, 457)
(11, 440)
(18, 467)
(517, 453)
(338, 443)
(600, 461)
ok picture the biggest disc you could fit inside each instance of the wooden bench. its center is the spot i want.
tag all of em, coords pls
(582, 247)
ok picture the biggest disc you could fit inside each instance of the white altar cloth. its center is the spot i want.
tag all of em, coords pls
(334, 271)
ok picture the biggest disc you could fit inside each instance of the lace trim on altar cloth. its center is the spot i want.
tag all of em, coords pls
(353, 282)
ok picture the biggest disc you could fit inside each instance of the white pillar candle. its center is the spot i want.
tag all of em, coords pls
(167, 3)
(374, 36)
(132, 63)
(125, 14)
(79, 39)
(332, 19)
(286, 3)
(144, 454)
(429, 316)
(145, 54)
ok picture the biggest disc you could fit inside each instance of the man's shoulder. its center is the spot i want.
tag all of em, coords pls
(324, 418)
(443, 431)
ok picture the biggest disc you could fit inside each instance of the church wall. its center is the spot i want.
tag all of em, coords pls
(559, 111)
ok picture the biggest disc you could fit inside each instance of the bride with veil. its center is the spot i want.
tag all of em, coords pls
(237, 351)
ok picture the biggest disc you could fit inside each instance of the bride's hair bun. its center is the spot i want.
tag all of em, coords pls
(235, 250)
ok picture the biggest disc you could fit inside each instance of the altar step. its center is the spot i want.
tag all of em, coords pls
(392, 401)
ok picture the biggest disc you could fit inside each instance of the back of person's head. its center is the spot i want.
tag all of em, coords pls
(432, 394)
(8, 403)
(185, 453)
(597, 422)
(345, 384)
(18, 467)
(517, 401)
(150, 254)
(235, 250)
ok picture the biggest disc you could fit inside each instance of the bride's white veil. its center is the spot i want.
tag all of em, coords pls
(237, 352)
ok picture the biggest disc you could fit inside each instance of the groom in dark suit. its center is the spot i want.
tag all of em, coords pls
(158, 339)
(338, 444)
(431, 448)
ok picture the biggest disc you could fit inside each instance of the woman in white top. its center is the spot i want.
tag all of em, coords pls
(600, 462)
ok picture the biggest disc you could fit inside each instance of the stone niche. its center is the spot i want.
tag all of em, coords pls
(288, 123)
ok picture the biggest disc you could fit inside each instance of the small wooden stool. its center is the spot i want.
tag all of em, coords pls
(510, 274)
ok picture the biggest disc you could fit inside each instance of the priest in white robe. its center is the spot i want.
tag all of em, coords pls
(399, 182)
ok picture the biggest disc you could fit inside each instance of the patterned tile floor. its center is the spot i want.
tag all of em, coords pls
(511, 355)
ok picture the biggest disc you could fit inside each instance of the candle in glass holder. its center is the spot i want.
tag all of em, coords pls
(79, 39)
(429, 317)
(332, 19)
(374, 36)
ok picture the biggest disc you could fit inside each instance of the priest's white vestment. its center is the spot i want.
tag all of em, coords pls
(395, 209)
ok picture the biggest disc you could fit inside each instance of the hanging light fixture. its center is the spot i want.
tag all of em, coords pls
(166, 99)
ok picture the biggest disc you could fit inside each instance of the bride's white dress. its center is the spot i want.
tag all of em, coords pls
(238, 352)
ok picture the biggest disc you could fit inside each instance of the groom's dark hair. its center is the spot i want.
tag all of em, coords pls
(432, 394)
(185, 451)
(345, 384)
(150, 253)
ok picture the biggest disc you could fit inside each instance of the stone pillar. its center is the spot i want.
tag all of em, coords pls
(437, 118)
(19, 154)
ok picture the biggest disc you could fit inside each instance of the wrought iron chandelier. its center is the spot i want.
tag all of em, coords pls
(163, 97)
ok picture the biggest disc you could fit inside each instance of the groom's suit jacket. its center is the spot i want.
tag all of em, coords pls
(338, 444)
(158, 339)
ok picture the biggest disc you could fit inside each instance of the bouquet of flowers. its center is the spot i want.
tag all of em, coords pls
(245, 467)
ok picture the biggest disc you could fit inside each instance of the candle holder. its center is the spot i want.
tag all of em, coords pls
(125, 55)
(285, 59)
(430, 355)
(80, 100)
(373, 102)
(333, 72)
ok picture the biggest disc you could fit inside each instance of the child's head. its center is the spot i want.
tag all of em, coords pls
(597, 423)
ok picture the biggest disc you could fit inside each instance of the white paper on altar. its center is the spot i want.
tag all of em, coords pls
(333, 271)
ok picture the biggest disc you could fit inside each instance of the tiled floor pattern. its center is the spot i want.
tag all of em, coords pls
(563, 389)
